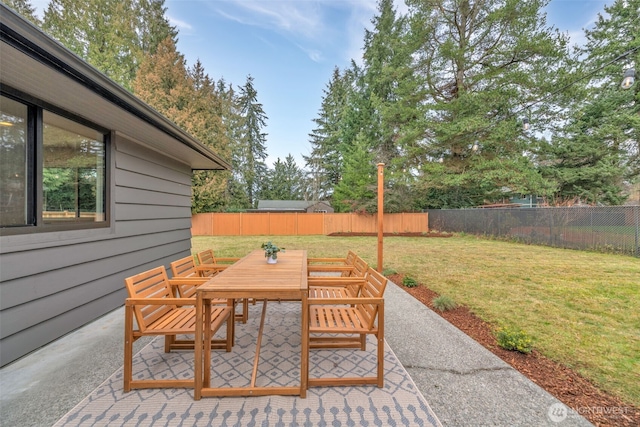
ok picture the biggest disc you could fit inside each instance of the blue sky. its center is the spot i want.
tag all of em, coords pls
(290, 48)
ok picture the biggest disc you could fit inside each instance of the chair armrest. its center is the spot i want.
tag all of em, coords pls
(327, 267)
(218, 259)
(341, 260)
(160, 301)
(335, 281)
(210, 267)
(343, 301)
(175, 281)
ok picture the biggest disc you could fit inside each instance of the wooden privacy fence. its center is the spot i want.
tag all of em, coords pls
(283, 224)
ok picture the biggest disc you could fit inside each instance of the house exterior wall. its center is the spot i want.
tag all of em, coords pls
(320, 207)
(53, 283)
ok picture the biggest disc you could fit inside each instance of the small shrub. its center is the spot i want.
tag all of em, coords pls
(515, 340)
(444, 303)
(409, 282)
(389, 272)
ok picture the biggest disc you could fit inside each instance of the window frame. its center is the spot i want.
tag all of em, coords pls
(35, 166)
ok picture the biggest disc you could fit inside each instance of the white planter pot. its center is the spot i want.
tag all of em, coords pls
(272, 260)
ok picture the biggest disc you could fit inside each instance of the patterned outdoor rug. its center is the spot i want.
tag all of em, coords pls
(399, 403)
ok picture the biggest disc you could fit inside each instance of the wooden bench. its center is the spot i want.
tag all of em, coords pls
(158, 313)
(354, 317)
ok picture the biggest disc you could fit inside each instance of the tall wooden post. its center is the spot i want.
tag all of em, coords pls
(380, 214)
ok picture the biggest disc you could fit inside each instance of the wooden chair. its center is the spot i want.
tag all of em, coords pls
(332, 265)
(343, 286)
(332, 324)
(185, 268)
(191, 276)
(208, 259)
(157, 312)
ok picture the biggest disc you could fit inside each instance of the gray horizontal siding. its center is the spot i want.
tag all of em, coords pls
(17, 318)
(151, 183)
(145, 197)
(134, 228)
(32, 338)
(48, 291)
(130, 212)
(46, 278)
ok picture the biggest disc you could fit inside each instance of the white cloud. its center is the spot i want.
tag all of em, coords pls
(300, 18)
(314, 54)
(181, 25)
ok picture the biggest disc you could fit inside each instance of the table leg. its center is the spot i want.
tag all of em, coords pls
(207, 342)
(197, 358)
(304, 353)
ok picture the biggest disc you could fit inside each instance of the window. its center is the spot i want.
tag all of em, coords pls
(14, 182)
(53, 170)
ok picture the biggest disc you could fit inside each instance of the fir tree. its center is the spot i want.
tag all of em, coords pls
(112, 35)
(598, 151)
(249, 157)
(325, 160)
(482, 62)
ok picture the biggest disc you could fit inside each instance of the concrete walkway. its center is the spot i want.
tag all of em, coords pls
(465, 384)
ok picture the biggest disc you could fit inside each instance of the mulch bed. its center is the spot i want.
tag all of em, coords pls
(575, 391)
(403, 234)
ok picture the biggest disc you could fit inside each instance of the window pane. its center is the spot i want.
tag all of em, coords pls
(13, 163)
(73, 173)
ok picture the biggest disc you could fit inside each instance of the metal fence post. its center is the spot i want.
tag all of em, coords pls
(637, 216)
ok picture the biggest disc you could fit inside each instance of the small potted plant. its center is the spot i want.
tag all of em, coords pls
(271, 252)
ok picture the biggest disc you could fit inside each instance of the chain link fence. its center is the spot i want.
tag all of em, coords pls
(613, 229)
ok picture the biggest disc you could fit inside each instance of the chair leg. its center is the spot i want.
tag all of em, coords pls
(169, 340)
(245, 309)
(128, 347)
(231, 327)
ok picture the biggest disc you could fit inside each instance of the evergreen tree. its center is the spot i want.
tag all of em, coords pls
(482, 62)
(189, 98)
(356, 191)
(205, 122)
(236, 195)
(249, 158)
(385, 59)
(112, 35)
(25, 9)
(164, 83)
(286, 181)
(325, 160)
(599, 149)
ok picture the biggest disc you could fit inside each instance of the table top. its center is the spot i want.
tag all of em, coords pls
(252, 276)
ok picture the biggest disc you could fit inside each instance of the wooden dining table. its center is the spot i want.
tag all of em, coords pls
(252, 277)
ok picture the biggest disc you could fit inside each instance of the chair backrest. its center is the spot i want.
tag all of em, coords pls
(349, 260)
(185, 267)
(374, 287)
(206, 257)
(152, 283)
(360, 267)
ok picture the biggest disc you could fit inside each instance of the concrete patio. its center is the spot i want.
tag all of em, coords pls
(463, 383)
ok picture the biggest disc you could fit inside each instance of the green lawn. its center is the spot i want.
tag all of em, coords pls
(581, 308)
